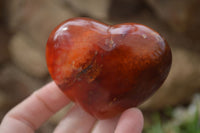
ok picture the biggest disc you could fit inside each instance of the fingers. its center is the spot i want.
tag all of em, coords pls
(13, 125)
(106, 126)
(36, 109)
(32, 112)
(76, 121)
(131, 121)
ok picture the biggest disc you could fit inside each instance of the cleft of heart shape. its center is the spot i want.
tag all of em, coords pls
(107, 69)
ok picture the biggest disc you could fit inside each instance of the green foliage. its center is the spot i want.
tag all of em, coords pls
(168, 112)
(191, 126)
(156, 127)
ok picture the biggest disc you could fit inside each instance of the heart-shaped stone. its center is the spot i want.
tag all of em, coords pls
(107, 69)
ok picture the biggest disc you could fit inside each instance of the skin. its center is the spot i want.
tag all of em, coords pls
(31, 113)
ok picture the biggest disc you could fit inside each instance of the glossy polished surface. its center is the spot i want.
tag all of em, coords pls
(107, 69)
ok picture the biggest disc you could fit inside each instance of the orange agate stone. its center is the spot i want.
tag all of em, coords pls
(107, 69)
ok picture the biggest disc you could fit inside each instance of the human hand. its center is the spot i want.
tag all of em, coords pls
(42, 104)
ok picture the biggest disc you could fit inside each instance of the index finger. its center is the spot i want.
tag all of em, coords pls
(35, 110)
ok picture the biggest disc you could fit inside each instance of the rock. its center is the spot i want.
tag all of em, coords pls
(1, 9)
(124, 9)
(33, 21)
(11, 76)
(29, 59)
(4, 55)
(44, 19)
(37, 18)
(94, 8)
(15, 11)
(180, 15)
(184, 75)
(15, 86)
(183, 81)
(4, 102)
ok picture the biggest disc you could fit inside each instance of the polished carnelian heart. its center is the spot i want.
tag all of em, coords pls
(107, 69)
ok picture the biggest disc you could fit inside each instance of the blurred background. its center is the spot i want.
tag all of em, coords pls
(26, 24)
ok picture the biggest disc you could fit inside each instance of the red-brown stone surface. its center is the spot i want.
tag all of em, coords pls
(107, 69)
